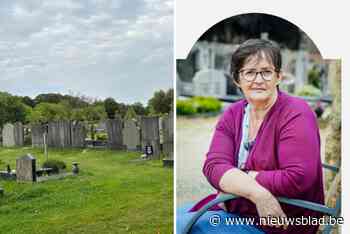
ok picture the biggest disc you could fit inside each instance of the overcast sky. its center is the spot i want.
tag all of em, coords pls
(99, 48)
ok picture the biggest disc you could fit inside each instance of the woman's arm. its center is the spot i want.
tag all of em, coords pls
(298, 157)
(235, 181)
(220, 170)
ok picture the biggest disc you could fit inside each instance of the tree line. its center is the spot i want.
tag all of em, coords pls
(54, 106)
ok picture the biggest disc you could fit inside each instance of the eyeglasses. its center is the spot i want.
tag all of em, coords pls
(250, 75)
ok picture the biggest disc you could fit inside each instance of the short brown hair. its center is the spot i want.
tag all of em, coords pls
(255, 47)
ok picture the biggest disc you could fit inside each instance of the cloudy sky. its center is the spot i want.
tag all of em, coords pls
(99, 48)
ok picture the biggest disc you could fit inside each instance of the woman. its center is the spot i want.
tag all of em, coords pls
(266, 145)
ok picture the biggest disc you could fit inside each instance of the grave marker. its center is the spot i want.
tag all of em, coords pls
(26, 168)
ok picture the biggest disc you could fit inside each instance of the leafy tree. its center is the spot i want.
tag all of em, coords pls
(78, 114)
(72, 101)
(161, 102)
(110, 107)
(130, 113)
(139, 108)
(28, 101)
(75, 102)
(49, 98)
(11, 109)
(45, 112)
(121, 110)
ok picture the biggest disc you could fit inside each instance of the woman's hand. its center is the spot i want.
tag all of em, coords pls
(235, 181)
(268, 206)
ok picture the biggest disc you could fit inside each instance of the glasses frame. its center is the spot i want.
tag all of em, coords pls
(256, 74)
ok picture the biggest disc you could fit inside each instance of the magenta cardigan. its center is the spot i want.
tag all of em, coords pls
(286, 154)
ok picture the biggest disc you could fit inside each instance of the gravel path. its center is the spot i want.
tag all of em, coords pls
(192, 142)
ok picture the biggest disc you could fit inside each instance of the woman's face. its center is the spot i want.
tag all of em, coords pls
(258, 79)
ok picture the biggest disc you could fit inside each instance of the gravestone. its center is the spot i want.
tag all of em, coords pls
(78, 133)
(26, 168)
(168, 139)
(210, 82)
(150, 135)
(115, 134)
(59, 134)
(131, 135)
(13, 135)
(37, 131)
(8, 136)
(19, 134)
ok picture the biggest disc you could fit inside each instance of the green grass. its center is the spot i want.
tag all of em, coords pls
(111, 194)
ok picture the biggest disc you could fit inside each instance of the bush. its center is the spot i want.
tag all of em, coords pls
(56, 165)
(199, 105)
(185, 107)
(102, 136)
(207, 104)
(308, 90)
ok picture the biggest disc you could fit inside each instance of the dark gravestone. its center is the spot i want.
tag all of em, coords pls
(37, 131)
(78, 133)
(25, 169)
(19, 134)
(59, 134)
(168, 139)
(150, 135)
(115, 133)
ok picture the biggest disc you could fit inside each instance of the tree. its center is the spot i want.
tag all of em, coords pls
(12, 109)
(28, 101)
(75, 102)
(49, 98)
(130, 113)
(139, 108)
(121, 110)
(161, 102)
(95, 113)
(45, 112)
(110, 107)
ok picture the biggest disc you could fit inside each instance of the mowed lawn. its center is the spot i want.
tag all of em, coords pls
(111, 194)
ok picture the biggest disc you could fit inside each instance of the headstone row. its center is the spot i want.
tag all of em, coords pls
(127, 134)
(60, 134)
(146, 137)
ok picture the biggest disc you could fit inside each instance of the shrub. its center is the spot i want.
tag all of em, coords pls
(102, 136)
(207, 104)
(199, 105)
(56, 165)
(185, 107)
(308, 90)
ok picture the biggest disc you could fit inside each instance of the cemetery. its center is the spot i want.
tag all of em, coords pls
(61, 177)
